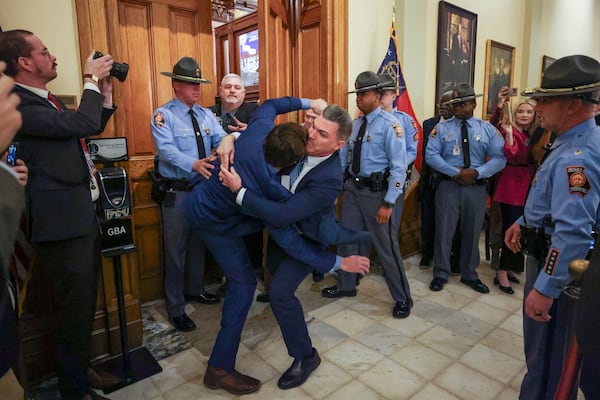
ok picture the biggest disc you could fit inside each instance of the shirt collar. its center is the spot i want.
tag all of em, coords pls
(373, 114)
(43, 93)
(312, 162)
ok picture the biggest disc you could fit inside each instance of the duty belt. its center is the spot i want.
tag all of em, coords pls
(534, 242)
(180, 184)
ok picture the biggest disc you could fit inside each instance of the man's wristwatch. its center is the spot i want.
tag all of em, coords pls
(92, 77)
(387, 204)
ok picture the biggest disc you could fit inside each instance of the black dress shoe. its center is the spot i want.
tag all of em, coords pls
(334, 292)
(299, 371)
(204, 298)
(318, 276)
(263, 297)
(183, 323)
(402, 309)
(512, 278)
(437, 284)
(476, 285)
(505, 289)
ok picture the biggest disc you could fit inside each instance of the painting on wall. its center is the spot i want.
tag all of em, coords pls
(499, 71)
(457, 31)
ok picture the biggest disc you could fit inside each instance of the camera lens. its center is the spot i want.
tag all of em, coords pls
(119, 70)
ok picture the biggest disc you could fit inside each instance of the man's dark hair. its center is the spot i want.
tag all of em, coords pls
(337, 114)
(12, 46)
(285, 145)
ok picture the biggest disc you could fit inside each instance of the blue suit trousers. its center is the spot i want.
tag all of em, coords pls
(232, 255)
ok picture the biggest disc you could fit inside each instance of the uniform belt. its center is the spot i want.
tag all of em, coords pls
(361, 180)
(180, 184)
(482, 181)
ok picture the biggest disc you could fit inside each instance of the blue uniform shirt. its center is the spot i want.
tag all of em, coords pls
(411, 134)
(175, 138)
(566, 188)
(444, 149)
(383, 147)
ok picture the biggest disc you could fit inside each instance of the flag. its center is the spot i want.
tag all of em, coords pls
(391, 65)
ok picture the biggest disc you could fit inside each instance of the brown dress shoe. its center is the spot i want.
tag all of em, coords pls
(233, 382)
(101, 379)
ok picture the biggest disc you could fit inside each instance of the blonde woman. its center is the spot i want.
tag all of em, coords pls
(513, 181)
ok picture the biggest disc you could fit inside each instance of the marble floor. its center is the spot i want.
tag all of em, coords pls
(457, 344)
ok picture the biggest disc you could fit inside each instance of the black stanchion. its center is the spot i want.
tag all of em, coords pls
(135, 365)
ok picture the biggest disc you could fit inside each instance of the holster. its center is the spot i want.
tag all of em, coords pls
(534, 242)
(160, 186)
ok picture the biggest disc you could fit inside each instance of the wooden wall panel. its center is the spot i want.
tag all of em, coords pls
(134, 20)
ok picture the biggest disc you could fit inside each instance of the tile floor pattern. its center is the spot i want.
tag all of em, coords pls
(457, 344)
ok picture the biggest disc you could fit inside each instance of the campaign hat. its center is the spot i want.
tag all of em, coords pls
(568, 75)
(367, 80)
(388, 82)
(187, 70)
(463, 92)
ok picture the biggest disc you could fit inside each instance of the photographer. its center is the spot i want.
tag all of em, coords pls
(60, 208)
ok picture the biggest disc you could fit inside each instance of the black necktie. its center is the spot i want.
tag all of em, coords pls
(358, 146)
(465, 143)
(226, 120)
(199, 140)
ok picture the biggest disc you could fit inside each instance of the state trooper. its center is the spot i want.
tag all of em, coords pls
(184, 134)
(375, 160)
(408, 124)
(457, 148)
(561, 211)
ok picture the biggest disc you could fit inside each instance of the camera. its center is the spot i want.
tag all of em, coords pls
(514, 92)
(119, 70)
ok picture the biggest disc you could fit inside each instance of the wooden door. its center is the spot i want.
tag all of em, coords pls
(305, 41)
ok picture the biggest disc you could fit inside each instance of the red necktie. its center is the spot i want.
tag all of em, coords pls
(55, 101)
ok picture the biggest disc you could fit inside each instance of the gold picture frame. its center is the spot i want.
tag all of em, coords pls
(499, 71)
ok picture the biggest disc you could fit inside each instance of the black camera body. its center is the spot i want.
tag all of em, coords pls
(119, 70)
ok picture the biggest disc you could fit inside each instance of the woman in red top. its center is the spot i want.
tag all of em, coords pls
(513, 181)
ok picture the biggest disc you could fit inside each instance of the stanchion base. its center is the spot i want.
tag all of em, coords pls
(142, 366)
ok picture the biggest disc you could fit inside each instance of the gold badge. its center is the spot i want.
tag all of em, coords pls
(399, 130)
(159, 120)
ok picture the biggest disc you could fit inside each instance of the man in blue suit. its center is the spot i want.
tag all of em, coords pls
(315, 184)
(215, 216)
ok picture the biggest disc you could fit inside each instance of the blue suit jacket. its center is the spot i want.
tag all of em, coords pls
(211, 206)
(310, 208)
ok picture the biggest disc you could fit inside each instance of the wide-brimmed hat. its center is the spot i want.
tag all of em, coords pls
(187, 70)
(463, 92)
(388, 82)
(568, 75)
(367, 80)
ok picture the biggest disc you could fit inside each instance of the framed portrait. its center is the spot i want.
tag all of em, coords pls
(546, 62)
(499, 71)
(457, 31)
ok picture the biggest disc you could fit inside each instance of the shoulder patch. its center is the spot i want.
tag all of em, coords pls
(159, 120)
(433, 133)
(399, 130)
(578, 182)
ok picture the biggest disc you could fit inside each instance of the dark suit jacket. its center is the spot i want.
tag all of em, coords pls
(59, 203)
(243, 113)
(211, 206)
(310, 208)
(12, 202)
